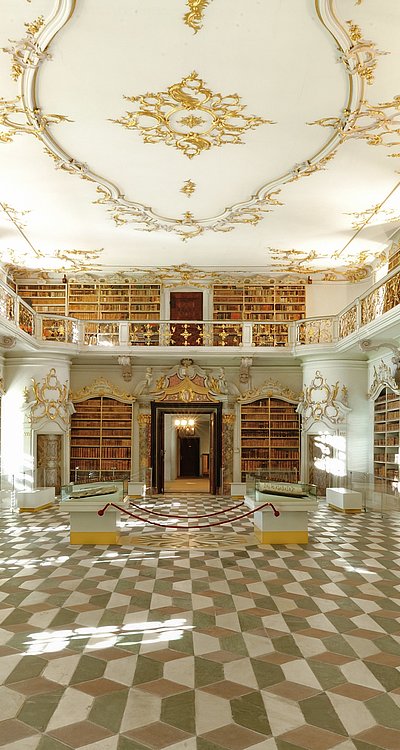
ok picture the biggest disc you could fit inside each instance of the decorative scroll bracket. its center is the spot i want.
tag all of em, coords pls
(367, 346)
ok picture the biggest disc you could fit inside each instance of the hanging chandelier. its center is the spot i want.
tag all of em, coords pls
(185, 425)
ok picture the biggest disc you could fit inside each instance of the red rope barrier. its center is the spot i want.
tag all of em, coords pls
(187, 528)
(175, 515)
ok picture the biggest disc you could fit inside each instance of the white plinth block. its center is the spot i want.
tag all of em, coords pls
(347, 501)
(30, 501)
(136, 489)
(238, 489)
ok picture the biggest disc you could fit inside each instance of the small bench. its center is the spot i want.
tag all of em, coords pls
(344, 500)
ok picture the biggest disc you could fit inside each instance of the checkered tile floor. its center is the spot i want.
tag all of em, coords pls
(218, 648)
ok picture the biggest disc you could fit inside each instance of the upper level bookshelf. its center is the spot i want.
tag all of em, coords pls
(386, 440)
(94, 301)
(258, 303)
(394, 260)
(45, 298)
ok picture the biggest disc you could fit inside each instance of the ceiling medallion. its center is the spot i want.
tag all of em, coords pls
(211, 119)
(188, 188)
(194, 16)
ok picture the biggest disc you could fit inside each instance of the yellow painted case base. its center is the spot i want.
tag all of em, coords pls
(35, 510)
(281, 537)
(94, 537)
(345, 510)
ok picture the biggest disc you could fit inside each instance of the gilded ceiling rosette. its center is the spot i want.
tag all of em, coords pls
(190, 117)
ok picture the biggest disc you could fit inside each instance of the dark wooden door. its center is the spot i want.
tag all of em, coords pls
(189, 462)
(186, 306)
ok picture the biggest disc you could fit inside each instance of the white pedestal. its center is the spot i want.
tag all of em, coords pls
(30, 501)
(87, 527)
(238, 489)
(291, 526)
(347, 501)
(136, 489)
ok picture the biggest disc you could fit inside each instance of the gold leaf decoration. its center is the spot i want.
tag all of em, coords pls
(211, 119)
(25, 52)
(188, 188)
(18, 119)
(376, 124)
(194, 16)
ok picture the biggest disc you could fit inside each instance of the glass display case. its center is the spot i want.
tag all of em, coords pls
(93, 491)
(262, 484)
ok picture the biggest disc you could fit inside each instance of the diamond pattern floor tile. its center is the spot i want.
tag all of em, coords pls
(211, 642)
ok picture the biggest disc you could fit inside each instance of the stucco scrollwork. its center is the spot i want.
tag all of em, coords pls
(322, 402)
(382, 377)
(102, 387)
(270, 389)
(50, 400)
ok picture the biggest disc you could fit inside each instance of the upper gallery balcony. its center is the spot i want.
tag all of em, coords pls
(374, 308)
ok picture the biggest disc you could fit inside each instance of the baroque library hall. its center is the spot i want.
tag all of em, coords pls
(199, 378)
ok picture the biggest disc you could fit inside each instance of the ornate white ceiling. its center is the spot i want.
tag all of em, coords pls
(223, 134)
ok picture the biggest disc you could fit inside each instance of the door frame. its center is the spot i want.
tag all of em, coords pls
(158, 411)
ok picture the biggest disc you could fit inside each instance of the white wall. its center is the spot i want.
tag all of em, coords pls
(330, 298)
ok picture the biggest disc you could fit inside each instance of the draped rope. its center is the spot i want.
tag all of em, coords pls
(187, 528)
(175, 515)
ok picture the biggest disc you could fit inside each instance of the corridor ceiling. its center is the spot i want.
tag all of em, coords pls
(179, 136)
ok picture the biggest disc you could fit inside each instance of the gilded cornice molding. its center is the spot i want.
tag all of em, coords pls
(270, 389)
(382, 378)
(102, 387)
(187, 382)
(249, 211)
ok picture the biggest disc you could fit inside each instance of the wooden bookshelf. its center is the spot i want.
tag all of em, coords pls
(228, 302)
(44, 298)
(270, 436)
(101, 437)
(144, 302)
(257, 303)
(114, 301)
(386, 440)
(83, 301)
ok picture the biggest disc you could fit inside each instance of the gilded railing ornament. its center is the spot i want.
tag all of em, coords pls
(189, 116)
(194, 16)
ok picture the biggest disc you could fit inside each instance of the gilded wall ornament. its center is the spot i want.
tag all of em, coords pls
(102, 387)
(322, 402)
(194, 16)
(308, 263)
(361, 218)
(71, 260)
(51, 399)
(382, 378)
(26, 52)
(188, 188)
(211, 119)
(270, 389)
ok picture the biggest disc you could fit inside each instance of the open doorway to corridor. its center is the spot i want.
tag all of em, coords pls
(186, 447)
